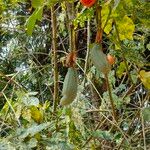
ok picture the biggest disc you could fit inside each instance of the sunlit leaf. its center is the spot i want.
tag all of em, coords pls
(36, 114)
(107, 22)
(125, 27)
(26, 114)
(37, 15)
(37, 3)
(145, 78)
(121, 69)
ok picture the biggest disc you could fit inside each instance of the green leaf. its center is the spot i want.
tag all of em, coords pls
(116, 3)
(148, 46)
(125, 27)
(50, 3)
(31, 23)
(36, 114)
(5, 109)
(117, 137)
(34, 129)
(37, 15)
(134, 76)
(146, 114)
(37, 3)
(121, 69)
(103, 134)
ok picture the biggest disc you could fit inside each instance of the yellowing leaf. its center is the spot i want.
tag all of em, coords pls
(125, 27)
(36, 114)
(145, 78)
(105, 13)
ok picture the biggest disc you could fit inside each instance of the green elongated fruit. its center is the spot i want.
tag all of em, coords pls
(99, 59)
(69, 91)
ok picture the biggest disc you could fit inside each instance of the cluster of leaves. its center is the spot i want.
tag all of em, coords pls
(27, 120)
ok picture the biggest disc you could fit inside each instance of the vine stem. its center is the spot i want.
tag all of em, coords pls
(71, 16)
(88, 50)
(111, 98)
(54, 47)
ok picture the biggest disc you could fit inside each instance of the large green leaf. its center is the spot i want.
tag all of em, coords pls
(37, 3)
(37, 15)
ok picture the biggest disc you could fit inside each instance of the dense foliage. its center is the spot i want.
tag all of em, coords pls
(107, 107)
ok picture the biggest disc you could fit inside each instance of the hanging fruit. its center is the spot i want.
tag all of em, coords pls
(69, 91)
(99, 59)
(111, 59)
(88, 3)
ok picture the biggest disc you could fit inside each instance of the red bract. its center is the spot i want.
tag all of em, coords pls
(88, 3)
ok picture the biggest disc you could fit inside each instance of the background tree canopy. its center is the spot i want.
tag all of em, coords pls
(74, 74)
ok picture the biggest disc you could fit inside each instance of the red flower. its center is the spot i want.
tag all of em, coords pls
(88, 3)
